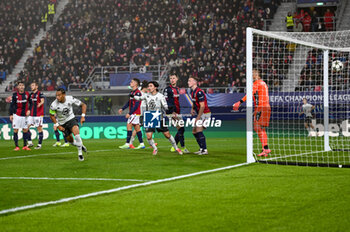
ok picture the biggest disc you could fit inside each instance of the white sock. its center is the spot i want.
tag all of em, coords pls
(78, 143)
(172, 141)
(132, 139)
(151, 142)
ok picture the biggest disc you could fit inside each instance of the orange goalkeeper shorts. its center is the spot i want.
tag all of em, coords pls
(262, 116)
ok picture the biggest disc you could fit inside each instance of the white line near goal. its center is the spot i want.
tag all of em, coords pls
(63, 200)
(60, 153)
(63, 178)
(49, 154)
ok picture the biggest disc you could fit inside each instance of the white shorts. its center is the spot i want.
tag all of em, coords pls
(134, 119)
(175, 120)
(205, 117)
(19, 122)
(35, 121)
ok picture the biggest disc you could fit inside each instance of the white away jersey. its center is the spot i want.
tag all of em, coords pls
(307, 109)
(143, 102)
(156, 102)
(64, 111)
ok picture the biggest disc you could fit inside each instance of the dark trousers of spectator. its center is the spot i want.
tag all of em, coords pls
(314, 27)
(50, 18)
(290, 29)
(43, 25)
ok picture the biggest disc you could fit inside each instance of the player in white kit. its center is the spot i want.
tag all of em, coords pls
(66, 122)
(156, 101)
(307, 110)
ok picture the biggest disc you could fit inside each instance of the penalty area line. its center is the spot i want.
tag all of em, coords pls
(63, 200)
(66, 178)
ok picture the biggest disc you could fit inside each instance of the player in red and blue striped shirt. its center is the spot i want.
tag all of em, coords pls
(19, 110)
(36, 114)
(134, 115)
(199, 107)
(172, 95)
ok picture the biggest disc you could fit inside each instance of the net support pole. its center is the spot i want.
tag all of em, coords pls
(249, 91)
(326, 99)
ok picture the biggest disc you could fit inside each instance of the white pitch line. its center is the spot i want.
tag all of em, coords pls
(63, 178)
(21, 208)
(48, 154)
(63, 153)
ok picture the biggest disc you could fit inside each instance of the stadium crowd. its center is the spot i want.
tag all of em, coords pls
(19, 23)
(200, 38)
(319, 19)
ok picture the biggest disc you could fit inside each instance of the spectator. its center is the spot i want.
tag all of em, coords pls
(289, 22)
(43, 20)
(320, 25)
(10, 88)
(307, 22)
(328, 20)
(2, 75)
(298, 26)
(18, 25)
(314, 21)
(50, 11)
(195, 37)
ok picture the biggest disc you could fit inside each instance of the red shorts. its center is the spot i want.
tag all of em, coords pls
(262, 116)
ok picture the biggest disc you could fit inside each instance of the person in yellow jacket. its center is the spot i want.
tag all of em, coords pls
(51, 11)
(289, 22)
(44, 20)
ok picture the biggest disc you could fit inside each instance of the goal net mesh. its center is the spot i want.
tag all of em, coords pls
(295, 66)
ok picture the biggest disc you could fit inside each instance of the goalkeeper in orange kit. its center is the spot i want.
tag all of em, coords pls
(262, 110)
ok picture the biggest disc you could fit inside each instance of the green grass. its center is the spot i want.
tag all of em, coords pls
(111, 163)
(257, 197)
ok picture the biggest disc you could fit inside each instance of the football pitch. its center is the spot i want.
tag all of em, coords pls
(132, 190)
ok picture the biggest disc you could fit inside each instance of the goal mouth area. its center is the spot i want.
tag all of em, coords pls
(291, 160)
(304, 164)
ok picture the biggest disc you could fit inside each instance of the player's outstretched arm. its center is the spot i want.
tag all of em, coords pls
(140, 98)
(120, 111)
(238, 104)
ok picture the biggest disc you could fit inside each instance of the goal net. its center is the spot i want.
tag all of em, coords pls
(308, 80)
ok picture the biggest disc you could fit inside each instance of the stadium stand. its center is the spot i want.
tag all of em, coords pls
(19, 22)
(205, 39)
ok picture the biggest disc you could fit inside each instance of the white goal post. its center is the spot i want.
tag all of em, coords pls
(309, 123)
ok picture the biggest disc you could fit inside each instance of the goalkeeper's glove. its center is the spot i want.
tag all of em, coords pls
(236, 106)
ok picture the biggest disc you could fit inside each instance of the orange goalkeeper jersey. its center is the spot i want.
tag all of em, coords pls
(260, 94)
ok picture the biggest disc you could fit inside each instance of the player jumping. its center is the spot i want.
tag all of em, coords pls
(36, 114)
(172, 93)
(262, 110)
(66, 121)
(134, 115)
(155, 101)
(307, 110)
(199, 107)
(19, 110)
